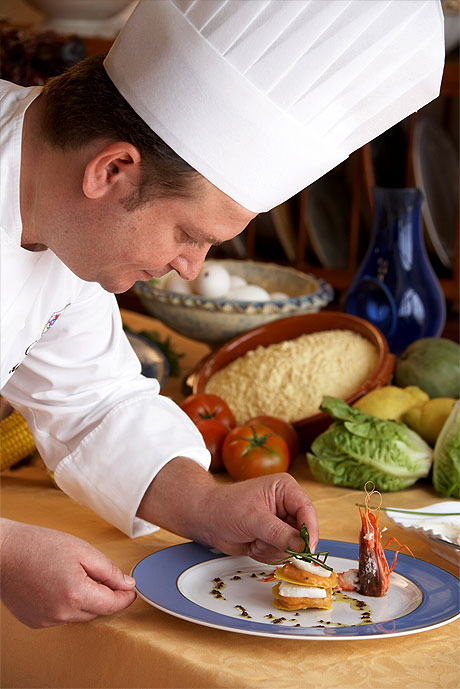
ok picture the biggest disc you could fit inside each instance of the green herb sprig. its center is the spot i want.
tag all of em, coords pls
(419, 512)
(306, 555)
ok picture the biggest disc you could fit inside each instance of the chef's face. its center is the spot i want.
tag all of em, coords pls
(119, 247)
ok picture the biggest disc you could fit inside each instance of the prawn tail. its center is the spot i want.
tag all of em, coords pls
(348, 580)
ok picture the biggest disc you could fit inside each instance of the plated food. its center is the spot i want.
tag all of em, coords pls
(305, 580)
(303, 585)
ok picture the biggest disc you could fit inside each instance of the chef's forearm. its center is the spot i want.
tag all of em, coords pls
(179, 500)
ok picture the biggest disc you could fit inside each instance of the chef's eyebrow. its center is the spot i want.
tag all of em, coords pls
(200, 238)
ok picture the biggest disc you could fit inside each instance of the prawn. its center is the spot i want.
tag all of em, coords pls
(373, 575)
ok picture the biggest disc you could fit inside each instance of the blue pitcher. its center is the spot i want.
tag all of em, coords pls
(395, 286)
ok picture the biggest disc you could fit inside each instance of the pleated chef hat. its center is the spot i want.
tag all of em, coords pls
(262, 97)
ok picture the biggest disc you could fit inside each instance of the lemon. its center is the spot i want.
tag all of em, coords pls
(391, 402)
(428, 419)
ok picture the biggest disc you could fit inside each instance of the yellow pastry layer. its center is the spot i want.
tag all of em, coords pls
(285, 603)
(294, 575)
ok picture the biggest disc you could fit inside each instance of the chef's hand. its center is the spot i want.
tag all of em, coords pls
(49, 577)
(259, 517)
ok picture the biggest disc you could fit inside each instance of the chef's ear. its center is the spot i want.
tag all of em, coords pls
(118, 163)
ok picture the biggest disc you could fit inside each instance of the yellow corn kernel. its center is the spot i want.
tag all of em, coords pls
(16, 440)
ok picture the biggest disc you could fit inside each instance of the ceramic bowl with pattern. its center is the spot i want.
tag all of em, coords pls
(218, 320)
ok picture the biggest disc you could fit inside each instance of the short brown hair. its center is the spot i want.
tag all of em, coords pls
(82, 105)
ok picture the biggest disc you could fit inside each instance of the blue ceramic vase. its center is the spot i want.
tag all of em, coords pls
(395, 286)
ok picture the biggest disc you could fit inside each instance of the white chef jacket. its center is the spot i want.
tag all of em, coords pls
(67, 366)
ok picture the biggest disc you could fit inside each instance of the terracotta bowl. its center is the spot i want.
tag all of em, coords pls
(288, 329)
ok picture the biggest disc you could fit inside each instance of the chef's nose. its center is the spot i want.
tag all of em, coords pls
(189, 266)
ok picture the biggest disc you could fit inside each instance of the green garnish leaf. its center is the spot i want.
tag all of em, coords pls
(306, 538)
(420, 512)
(306, 555)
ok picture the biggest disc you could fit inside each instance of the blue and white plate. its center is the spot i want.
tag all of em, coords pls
(225, 592)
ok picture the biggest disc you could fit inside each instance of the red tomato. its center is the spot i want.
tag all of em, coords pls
(214, 433)
(203, 406)
(254, 450)
(285, 429)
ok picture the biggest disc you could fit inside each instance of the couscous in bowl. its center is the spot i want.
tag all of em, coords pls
(289, 330)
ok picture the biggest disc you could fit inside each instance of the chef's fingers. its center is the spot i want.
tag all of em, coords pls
(271, 536)
(101, 569)
(294, 504)
(101, 600)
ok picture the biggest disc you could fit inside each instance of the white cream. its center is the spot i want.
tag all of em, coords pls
(310, 567)
(293, 591)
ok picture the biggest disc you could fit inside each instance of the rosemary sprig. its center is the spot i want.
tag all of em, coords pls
(306, 555)
(422, 514)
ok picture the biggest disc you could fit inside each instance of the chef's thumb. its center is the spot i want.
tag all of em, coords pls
(101, 569)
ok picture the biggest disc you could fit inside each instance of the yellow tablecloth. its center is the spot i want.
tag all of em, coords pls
(144, 647)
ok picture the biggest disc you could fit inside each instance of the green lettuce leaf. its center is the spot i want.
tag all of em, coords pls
(446, 462)
(359, 447)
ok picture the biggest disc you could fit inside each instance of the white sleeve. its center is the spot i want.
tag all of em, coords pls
(99, 425)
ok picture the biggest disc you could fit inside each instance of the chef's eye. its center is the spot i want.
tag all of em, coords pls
(184, 238)
(190, 240)
(187, 239)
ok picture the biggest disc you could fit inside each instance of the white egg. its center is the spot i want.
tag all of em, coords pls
(174, 283)
(237, 281)
(213, 281)
(248, 293)
(279, 296)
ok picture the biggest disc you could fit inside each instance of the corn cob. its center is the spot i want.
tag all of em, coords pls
(16, 440)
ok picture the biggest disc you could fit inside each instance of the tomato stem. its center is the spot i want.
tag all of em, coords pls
(206, 415)
(256, 441)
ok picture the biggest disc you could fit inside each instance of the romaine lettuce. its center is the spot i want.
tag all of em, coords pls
(359, 447)
(446, 463)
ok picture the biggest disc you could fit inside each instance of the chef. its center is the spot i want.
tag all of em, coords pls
(202, 115)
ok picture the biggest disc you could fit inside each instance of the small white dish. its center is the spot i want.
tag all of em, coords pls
(433, 528)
